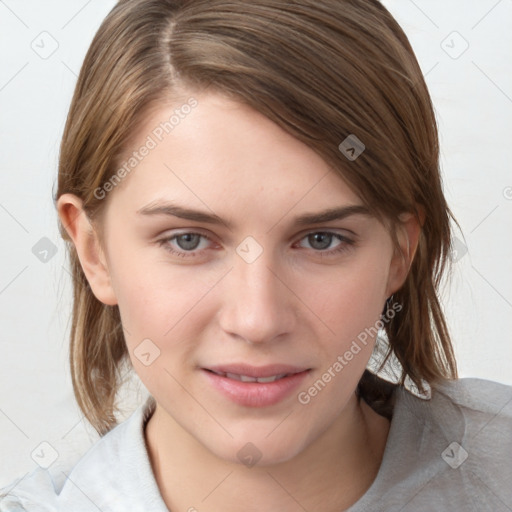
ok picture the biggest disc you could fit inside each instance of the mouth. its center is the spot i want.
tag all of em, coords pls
(251, 386)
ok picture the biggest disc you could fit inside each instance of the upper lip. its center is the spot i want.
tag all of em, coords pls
(257, 371)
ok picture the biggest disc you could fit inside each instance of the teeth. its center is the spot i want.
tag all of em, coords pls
(245, 378)
(272, 379)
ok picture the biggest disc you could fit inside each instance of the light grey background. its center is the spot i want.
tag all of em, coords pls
(472, 94)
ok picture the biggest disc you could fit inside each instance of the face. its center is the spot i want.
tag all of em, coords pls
(217, 264)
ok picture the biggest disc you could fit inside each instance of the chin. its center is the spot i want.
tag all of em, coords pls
(258, 449)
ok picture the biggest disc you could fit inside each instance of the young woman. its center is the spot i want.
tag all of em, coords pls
(252, 200)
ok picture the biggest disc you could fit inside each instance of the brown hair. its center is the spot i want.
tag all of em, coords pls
(323, 70)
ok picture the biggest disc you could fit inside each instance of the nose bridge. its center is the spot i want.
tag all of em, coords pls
(257, 305)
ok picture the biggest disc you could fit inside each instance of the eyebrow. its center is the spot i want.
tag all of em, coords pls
(174, 210)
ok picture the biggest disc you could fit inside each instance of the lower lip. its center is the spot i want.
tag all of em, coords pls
(256, 394)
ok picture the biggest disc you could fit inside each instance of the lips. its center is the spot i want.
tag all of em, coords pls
(252, 386)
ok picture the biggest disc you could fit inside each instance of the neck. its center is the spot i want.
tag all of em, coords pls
(331, 474)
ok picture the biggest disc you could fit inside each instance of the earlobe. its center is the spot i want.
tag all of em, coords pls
(86, 241)
(408, 233)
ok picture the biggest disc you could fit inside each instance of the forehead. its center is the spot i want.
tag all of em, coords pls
(223, 154)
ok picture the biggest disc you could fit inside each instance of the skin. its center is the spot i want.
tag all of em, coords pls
(294, 304)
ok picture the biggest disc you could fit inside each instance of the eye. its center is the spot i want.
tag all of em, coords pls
(185, 244)
(190, 244)
(319, 241)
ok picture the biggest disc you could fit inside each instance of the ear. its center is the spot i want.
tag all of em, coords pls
(88, 248)
(408, 234)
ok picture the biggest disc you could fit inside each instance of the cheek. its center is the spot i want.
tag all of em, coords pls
(162, 304)
(148, 294)
(152, 330)
(352, 299)
(350, 304)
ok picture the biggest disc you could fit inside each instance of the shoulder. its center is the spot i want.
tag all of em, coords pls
(461, 403)
(451, 451)
(477, 411)
(114, 474)
(478, 394)
(34, 491)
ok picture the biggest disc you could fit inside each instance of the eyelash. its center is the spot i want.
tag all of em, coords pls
(345, 244)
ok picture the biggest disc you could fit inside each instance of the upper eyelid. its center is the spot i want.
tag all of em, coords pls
(198, 231)
(333, 231)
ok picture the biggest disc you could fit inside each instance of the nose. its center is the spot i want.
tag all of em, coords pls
(257, 305)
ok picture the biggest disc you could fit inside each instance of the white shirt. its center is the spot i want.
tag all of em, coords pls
(452, 453)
